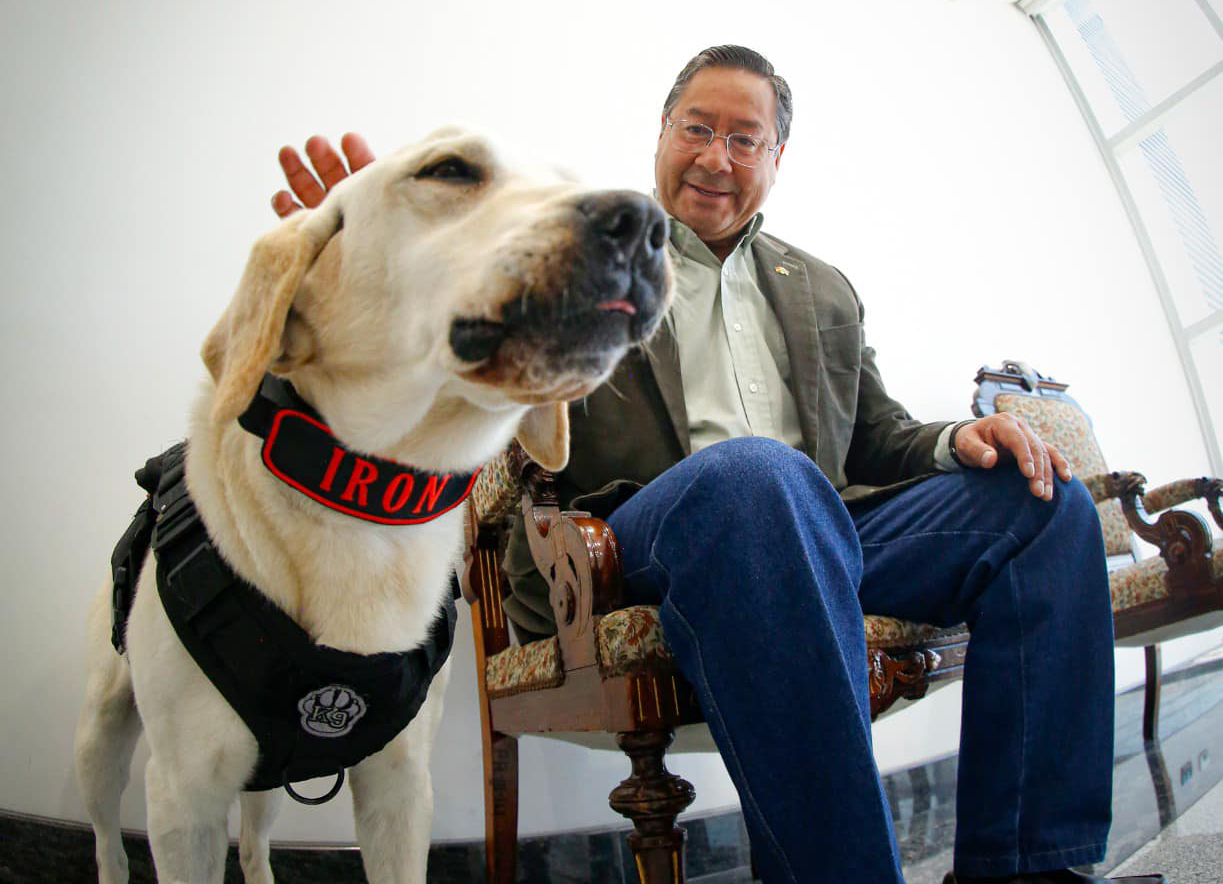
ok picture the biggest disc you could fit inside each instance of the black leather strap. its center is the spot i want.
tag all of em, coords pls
(951, 449)
(300, 450)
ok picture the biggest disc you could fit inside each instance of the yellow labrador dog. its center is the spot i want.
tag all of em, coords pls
(437, 304)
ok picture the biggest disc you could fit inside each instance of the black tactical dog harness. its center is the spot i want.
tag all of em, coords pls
(315, 710)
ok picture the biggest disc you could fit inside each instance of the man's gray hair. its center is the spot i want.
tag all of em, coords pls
(739, 58)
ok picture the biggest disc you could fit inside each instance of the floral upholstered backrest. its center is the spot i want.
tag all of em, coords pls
(1069, 429)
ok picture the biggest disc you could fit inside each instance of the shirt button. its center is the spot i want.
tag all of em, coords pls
(738, 327)
(754, 387)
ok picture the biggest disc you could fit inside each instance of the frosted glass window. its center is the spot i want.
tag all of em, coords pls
(1176, 179)
(1129, 55)
(1152, 74)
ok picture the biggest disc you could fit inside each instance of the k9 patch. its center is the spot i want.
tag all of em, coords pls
(332, 711)
(302, 451)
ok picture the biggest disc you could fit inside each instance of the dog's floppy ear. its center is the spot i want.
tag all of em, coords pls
(248, 338)
(544, 434)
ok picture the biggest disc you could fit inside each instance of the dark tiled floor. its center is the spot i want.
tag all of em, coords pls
(922, 799)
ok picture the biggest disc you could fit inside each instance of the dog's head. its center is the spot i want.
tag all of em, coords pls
(443, 290)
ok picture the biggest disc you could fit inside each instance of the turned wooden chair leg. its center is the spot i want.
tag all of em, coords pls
(501, 808)
(1150, 706)
(652, 797)
(1165, 798)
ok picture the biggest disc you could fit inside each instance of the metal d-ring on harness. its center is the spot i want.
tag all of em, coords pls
(322, 799)
(314, 710)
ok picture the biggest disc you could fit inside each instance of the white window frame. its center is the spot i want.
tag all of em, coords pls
(1110, 150)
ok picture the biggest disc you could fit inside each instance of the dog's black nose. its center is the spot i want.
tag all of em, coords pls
(631, 224)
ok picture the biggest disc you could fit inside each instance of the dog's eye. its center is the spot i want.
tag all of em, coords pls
(452, 169)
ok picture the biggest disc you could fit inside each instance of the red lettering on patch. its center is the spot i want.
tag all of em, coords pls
(363, 475)
(337, 455)
(375, 489)
(393, 503)
(432, 492)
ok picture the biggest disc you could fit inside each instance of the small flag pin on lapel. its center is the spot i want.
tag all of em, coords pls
(783, 271)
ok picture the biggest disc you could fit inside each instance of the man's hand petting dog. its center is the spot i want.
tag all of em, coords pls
(331, 170)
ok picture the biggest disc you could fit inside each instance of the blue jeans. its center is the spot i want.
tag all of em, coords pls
(763, 576)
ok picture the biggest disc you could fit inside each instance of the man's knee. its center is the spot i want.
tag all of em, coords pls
(1011, 496)
(753, 463)
(773, 492)
(760, 509)
(1075, 497)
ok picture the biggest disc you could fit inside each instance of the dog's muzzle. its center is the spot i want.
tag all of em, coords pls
(608, 294)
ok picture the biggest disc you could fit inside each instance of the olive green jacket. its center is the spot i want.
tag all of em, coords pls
(635, 426)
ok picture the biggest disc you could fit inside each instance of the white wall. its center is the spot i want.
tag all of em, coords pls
(936, 157)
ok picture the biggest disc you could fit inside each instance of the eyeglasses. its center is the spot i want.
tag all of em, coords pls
(745, 150)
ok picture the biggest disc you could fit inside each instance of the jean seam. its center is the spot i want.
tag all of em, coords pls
(943, 534)
(730, 746)
(1030, 854)
(1023, 686)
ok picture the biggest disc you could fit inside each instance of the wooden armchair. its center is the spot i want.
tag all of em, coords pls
(1180, 591)
(608, 670)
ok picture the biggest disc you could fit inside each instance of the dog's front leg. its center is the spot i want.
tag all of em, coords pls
(258, 813)
(392, 797)
(187, 828)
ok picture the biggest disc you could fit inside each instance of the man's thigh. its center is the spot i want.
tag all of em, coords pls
(929, 551)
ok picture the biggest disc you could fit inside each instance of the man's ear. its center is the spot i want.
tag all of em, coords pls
(544, 434)
(250, 335)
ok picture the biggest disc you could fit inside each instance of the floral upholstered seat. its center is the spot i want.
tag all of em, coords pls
(631, 639)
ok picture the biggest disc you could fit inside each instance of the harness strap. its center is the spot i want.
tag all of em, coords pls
(125, 564)
(129, 554)
(305, 703)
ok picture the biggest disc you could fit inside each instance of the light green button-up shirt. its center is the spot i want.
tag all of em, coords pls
(732, 354)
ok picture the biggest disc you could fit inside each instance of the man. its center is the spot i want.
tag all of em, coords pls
(766, 492)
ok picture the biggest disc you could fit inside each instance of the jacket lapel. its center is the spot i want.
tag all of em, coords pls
(787, 286)
(662, 351)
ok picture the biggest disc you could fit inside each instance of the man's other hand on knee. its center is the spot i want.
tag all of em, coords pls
(1000, 438)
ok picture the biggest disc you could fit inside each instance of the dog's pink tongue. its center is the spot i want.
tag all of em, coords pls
(618, 307)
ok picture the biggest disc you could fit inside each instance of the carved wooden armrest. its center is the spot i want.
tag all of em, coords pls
(1183, 537)
(1110, 486)
(578, 556)
(1182, 491)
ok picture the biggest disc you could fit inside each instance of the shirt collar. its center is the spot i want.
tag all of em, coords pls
(688, 245)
